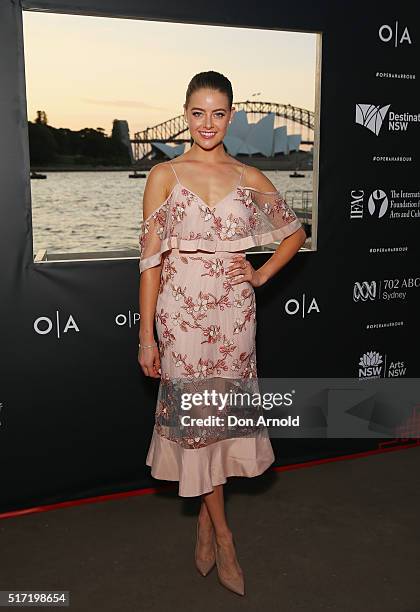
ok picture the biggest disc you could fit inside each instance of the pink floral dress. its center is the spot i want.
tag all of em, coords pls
(206, 326)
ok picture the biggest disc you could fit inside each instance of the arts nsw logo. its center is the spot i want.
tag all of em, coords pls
(376, 118)
(373, 364)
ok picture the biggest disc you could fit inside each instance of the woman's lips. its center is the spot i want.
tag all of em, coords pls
(207, 135)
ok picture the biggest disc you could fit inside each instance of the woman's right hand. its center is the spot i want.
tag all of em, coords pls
(149, 359)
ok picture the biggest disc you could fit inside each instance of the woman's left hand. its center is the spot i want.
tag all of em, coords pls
(240, 270)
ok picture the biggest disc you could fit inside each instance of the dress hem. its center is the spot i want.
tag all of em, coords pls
(210, 466)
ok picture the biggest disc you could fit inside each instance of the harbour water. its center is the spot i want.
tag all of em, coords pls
(102, 211)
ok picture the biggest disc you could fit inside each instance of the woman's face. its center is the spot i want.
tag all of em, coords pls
(208, 116)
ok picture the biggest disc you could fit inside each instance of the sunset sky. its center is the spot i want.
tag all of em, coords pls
(88, 71)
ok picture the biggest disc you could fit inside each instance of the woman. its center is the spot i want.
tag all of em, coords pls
(198, 287)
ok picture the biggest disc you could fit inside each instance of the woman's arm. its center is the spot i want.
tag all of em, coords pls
(288, 247)
(154, 194)
(281, 256)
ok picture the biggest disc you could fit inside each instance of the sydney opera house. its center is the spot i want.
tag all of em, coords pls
(260, 138)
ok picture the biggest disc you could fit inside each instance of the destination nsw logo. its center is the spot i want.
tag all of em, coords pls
(373, 117)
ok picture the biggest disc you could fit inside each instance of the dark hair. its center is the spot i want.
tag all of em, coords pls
(210, 80)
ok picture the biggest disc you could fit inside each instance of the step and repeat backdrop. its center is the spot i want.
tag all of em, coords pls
(76, 412)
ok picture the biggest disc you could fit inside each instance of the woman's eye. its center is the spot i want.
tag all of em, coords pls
(219, 115)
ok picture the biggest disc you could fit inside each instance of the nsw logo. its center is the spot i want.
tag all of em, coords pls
(370, 365)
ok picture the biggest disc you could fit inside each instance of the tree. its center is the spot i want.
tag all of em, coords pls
(41, 118)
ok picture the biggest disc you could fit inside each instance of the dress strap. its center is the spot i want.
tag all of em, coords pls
(242, 173)
(174, 172)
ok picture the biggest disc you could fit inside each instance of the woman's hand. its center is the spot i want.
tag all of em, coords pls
(240, 270)
(149, 359)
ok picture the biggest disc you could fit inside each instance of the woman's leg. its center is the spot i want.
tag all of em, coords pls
(213, 510)
(213, 513)
(205, 544)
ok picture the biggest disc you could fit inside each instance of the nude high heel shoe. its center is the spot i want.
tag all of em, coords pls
(236, 583)
(203, 566)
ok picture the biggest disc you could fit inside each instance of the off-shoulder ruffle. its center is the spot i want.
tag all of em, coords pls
(183, 244)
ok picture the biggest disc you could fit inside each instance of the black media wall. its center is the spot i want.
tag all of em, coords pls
(76, 412)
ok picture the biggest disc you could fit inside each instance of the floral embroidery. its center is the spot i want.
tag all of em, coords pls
(192, 312)
(279, 206)
(229, 228)
(243, 219)
(206, 322)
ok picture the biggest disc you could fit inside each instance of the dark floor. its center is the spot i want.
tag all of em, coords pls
(341, 536)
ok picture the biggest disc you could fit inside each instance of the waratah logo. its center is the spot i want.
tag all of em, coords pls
(378, 203)
(370, 365)
(371, 116)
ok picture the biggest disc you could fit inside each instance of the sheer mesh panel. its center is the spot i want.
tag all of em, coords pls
(249, 218)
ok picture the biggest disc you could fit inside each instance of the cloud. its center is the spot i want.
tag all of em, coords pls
(123, 104)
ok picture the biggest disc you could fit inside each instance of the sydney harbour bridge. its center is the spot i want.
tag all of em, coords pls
(175, 131)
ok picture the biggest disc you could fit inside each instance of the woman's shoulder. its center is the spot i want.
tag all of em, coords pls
(161, 178)
(255, 179)
(160, 171)
(252, 177)
(157, 188)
